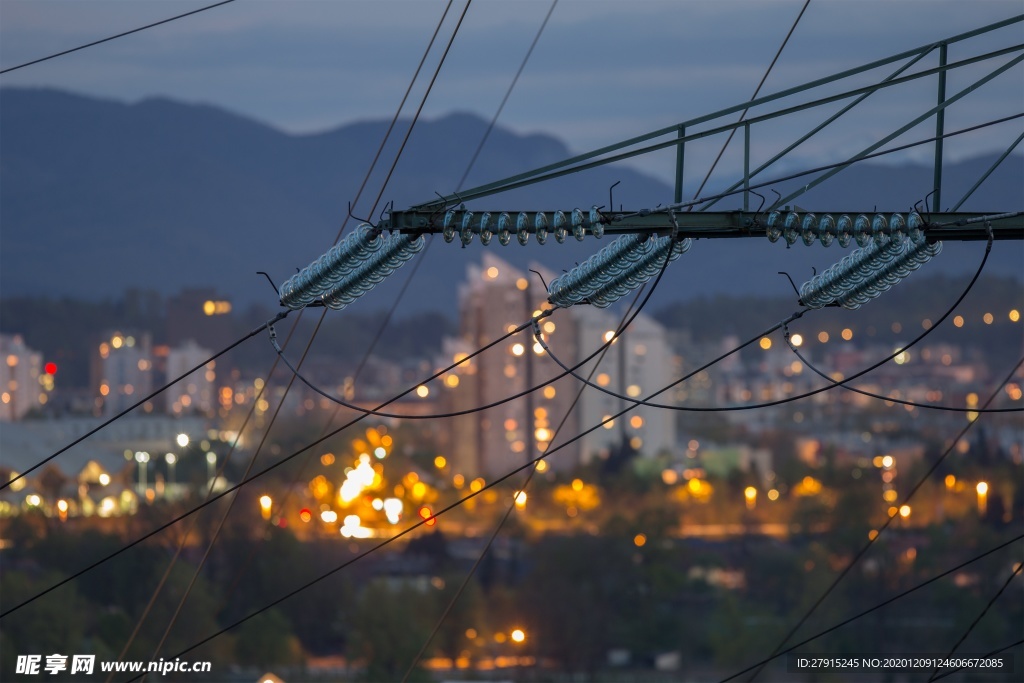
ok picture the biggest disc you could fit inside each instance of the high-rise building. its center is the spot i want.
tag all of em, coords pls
(195, 393)
(497, 298)
(21, 369)
(638, 363)
(122, 372)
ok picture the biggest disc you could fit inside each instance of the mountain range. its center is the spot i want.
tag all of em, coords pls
(97, 196)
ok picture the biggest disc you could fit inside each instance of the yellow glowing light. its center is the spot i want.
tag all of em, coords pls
(847, 334)
(542, 466)
(890, 496)
(327, 459)
(520, 498)
(577, 485)
(608, 422)
(872, 535)
(476, 484)
(636, 422)
(522, 284)
(797, 339)
(104, 479)
(1014, 315)
(549, 392)
(33, 499)
(104, 390)
(492, 273)
(518, 349)
(423, 391)
(639, 540)
(750, 493)
(958, 321)
(549, 327)
(542, 434)
(459, 481)
(603, 379)
(988, 318)
(62, 505)
(209, 308)
(182, 440)
(117, 342)
(537, 348)
(670, 477)
(972, 399)
(265, 505)
(440, 462)
(773, 494)
(950, 481)
(823, 337)
(518, 635)
(633, 390)
(982, 488)
(887, 461)
(451, 381)
(765, 343)
(609, 335)
(12, 360)
(904, 511)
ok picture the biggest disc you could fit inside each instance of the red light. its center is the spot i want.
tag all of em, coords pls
(283, 523)
(427, 515)
(50, 368)
(305, 515)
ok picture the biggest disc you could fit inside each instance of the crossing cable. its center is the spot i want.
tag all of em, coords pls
(1009, 579)
(83, 437)
(530, 463)
(783, 324)
(504, 100)
(259, 474)
(753, 97)
(508, 512)
(114, 37)
(879, 606)
(889, 399)
(871, 541)
(623, 323)
(987, 173)
(359, 192)
(565, 167)
(826, 167)
(231, 504)
(447, 369)
(992, 653)
(195, 520)
(416, 265)
(309, 344)
(412, 274)
(486, 487)
(487, 189)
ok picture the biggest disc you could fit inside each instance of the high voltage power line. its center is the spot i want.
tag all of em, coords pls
(115, 37)
(528, 179)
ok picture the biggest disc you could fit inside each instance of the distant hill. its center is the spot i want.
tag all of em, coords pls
(97, 196)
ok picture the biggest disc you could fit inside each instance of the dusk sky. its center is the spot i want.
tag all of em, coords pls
(602, 71)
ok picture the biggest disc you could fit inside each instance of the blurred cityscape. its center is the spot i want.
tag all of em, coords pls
(738, 518)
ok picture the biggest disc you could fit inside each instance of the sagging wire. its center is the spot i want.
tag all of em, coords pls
(782, 324)
(1006, 584)
(626, 319)
(875, 608)
(906, 500)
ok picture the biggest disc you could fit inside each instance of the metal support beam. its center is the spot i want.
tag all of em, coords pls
(721, 224)
(940, 124)
(746, 167)
(679, 167)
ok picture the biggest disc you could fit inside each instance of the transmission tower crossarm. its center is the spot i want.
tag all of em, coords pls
(955, 226)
